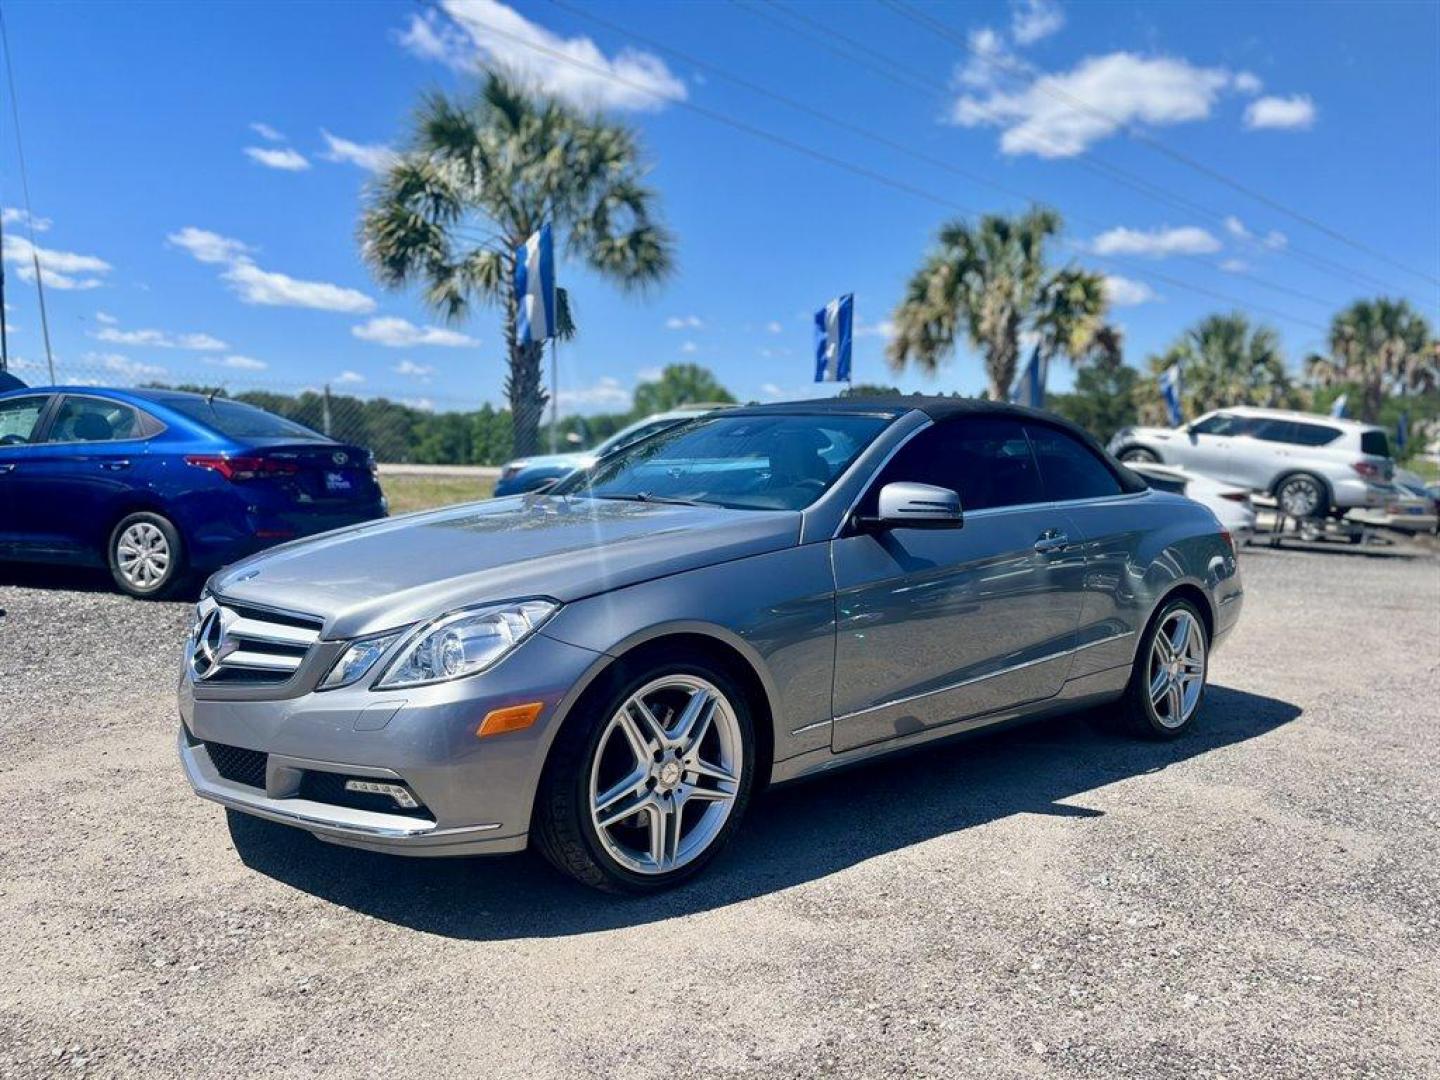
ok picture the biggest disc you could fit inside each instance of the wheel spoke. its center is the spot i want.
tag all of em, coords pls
(1182, 636)
(631, 784)
(700, 767)
(1177, 702)
(694, 722)
(641, 747)
(626, 809)
(707, 794)
(651, 722)
(1158, 686)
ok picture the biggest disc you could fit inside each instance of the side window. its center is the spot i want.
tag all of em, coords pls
(1315, 434)
(1069, 468)
(19, 418)
(986, 460)
(1279, 431)
(85, 419)
(1219, 424)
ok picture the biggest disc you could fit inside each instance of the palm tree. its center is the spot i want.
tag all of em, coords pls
(1223, 361)
(1383, 346)
(989, 282)
(479, 177)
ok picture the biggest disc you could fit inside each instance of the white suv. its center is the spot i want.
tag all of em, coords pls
(1313, 465)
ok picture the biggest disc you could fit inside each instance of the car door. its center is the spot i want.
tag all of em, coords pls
(1206, 445)
(1111, 523)
(75, 482)
(935, 626)
(21, 421)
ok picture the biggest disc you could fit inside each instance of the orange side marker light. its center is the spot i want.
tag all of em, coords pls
(510, 718)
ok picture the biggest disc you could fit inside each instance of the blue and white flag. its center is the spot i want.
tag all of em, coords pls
(535, 287)
(834, 325)
(1337, 407)
(1030, 388)
(1170, 391)
(1402, 432)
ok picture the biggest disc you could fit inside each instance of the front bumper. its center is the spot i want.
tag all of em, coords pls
(475, 795)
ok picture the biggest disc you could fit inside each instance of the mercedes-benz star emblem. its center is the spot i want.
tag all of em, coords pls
(339, 457)
(205, 657)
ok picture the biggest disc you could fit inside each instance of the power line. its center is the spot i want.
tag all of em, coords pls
(1084, 159)
(899, 147)
(900, 7)
(25, 190)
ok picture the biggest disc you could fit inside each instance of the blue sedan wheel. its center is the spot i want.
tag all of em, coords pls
(146, 556)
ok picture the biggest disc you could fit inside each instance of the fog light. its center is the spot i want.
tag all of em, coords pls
(399, 792)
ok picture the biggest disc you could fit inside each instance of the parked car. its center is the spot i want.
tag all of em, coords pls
(1412, 507)
(158, 485)
(610, 669)
(1229, 503)
(1312, 465)
(533, 473)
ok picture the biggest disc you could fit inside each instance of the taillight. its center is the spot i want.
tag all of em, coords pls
(243, 467)
(1229, 540)
(1368, 470)
(1235, 496)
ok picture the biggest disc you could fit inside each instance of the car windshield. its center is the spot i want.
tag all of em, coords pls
(756, 462)
(241, 421)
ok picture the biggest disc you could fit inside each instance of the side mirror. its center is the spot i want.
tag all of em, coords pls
(916, 506)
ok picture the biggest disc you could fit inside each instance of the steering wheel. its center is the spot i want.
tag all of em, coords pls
(12, 440)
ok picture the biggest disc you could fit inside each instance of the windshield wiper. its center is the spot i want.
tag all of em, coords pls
(646, 497)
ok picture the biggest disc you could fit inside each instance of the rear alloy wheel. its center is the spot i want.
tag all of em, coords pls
(1139, 456)
(658, 785)
(146, 556)
(1168, 682)
(1302, 496)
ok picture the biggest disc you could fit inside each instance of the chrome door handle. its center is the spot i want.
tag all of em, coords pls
(7, 466)
(115, 466)
(1050, 540)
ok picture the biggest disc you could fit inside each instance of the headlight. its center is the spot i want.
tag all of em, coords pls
(465, 642)
(355, 661)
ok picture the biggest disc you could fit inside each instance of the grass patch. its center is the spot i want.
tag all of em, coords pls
(407, 493)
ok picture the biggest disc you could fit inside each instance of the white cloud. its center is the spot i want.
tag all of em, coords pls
(348, 378)
(278, 158)
(159, 339)
(1031, 20)
(206, 246)
(1060, 115)
(371, 156)
(241, 363)
(413, 370)
(1296, 112)
(1123, 292)
(1155, 243)
(486, 32)
(1274, 240)
(123, 366)
(1247, 82)
(684, 322)
(884, 329)
(689, 347)
(105, 318)
(988, 59)
(265, 131)
(1235, 266)
(604, 395)
(424, 404)
(12, 215)
(401, 334)
(649, 374)
(774, 327)
(58, 269)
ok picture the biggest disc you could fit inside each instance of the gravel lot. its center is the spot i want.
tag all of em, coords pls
(1261, 898)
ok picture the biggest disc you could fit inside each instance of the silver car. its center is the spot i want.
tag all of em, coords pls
(1312, 465)
(610, 670)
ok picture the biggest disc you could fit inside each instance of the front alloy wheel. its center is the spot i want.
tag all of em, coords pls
(1301, 497)
(648, 780)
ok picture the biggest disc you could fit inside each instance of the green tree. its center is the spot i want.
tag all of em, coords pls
(1382, 346)
(479, 177)
(1224, 360)
(870, 390)
(679, 384)
(1104, 398)
(988, 284)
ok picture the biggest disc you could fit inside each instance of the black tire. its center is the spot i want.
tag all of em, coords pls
(563, 828)
(122, 569)
(1300, 490)
(1137, 713)
(1140, 455)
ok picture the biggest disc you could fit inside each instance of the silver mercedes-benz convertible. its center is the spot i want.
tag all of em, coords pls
(612, 668)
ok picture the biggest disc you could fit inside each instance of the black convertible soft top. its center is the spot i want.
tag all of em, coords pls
(946, 408)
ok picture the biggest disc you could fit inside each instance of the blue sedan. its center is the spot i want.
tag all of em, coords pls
(160, 486)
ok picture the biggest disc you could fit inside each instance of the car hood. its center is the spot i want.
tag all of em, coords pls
(389, 573)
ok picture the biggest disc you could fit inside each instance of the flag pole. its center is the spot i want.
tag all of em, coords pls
(554, 392)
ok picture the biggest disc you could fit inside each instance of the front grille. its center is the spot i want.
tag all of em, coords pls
(238, 765)
(328, 787)
(253, 646)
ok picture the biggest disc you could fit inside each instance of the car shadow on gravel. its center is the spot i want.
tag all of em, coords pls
(791, 835)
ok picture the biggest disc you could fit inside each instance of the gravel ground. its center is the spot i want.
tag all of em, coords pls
(1260, 898)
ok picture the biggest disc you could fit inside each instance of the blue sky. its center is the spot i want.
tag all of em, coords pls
(196, 174)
